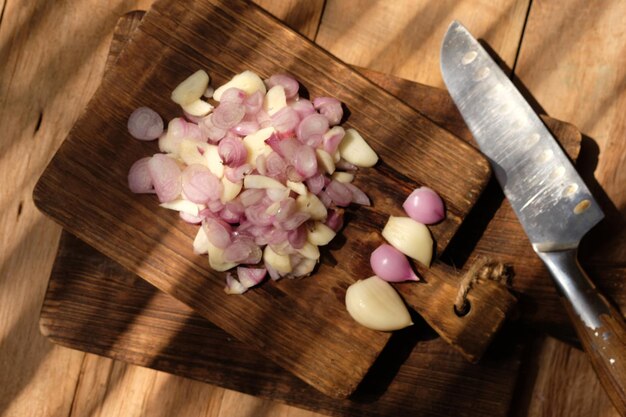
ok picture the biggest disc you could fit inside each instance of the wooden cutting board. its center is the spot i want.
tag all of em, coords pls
(300, 324)
(97, 306)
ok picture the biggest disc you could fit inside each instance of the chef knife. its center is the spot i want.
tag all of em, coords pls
(550, 199)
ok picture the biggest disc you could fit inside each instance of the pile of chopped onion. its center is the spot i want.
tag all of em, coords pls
(258, 170)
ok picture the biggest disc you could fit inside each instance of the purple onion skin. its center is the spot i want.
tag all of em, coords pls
(390, 264)
(425, 206)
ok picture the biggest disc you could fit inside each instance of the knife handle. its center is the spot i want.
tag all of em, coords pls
(599, 325)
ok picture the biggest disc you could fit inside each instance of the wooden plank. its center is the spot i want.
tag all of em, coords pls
(403, 37)
(128, 319)
(46, 77)
(572, 61)
(314, 332)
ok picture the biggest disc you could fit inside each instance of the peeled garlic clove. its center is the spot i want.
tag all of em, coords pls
(247, 81)
(354, 149)
(198, 108)
(260, 181)
(311, 204)
(325, 161)
(231, 190)
(280, 263)
(191, 89)
(216, 258)
(201, 242)
(374, 303)
(274, 100)
(410, 237)
(319, 234)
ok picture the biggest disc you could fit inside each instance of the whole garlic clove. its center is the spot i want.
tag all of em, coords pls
(374, 303)
(409, 237)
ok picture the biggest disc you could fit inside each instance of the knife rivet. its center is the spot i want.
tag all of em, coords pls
(582, 206)
(570, 190)
(469, 57)
(481, 74)
(546, 155)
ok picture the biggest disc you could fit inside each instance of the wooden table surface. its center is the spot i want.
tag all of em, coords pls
(570, 56)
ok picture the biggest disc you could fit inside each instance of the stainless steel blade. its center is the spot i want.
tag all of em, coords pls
(552, 202)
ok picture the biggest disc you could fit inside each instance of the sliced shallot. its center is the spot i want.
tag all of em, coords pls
(139, 179)
(165, 175)
(145, 124)
(232, 151)
(329, 107)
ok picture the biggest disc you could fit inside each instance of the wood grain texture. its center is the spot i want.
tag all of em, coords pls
(302, 324)
(47, 75)
(128, 319)
(403, 37)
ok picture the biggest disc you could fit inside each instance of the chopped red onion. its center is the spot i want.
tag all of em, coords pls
(256, 215)
(289, 83)
(246, 127)
(358, 196)
(236, 174)
(297, 237)
(339, 193)
(304, 107)
(232, 212)
(333, 138)
(200, 185)
(232, 151)
(253, 103)
(294, 221)
(249, 277)
(244, 251)
(233, 286)
(316, 183)
(165, 175)
(306, 161)
(330, 107)
(212, 132)
(218, 232)
(251, 196)
(233, 95)
(285, 121)
(314, 124)
(139, 178)
(293, 174)
(227, 115)
(286, 209)
(334, 220)
(145, 124)
(325, 199)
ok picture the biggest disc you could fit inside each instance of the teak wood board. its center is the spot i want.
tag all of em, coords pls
(301, 325)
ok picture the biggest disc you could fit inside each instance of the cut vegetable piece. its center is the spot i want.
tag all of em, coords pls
(309, 251)
(409, 237)
(355, 150)
(304, 267)
(280, 263)
(192, 152)
(374, 303)
(234, 287)
(309, 203)
(230, 190)
(255, 144)
(216, 258)
(249, 277)
(274, 100)
(247, 81)
(214, 161)
(191, 89)
(201, 242)
(260, 181)
(343, 177)
(329, 107)
(165, 175)
(297, 187)
(325, 160)
(139, 179)
(319, 234)
(199, 108)
(185, 206)
(145, 124)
